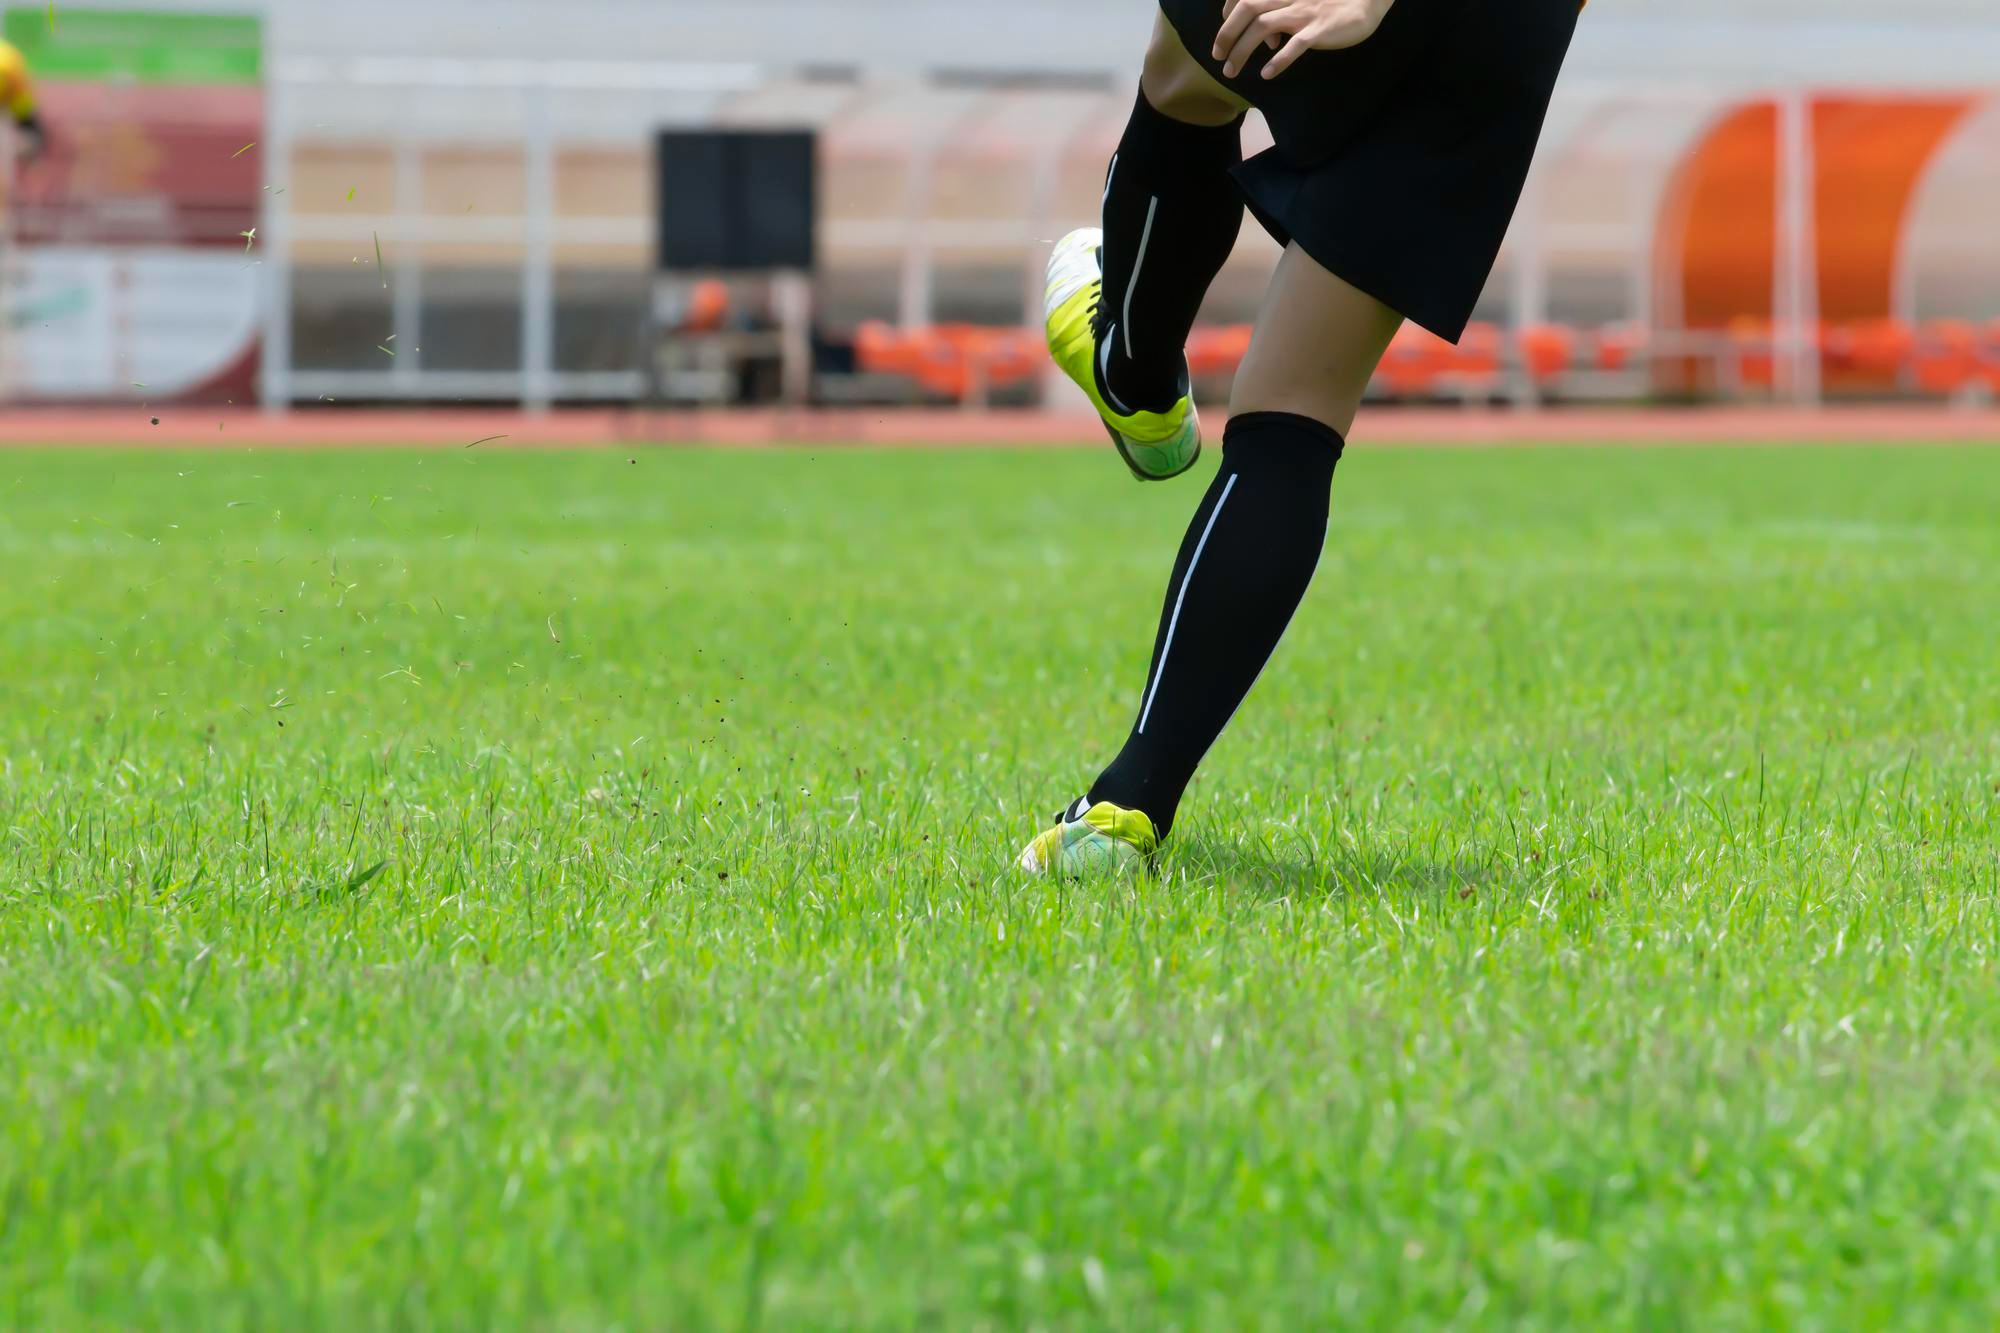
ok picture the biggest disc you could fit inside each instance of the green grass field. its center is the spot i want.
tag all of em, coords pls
(465, 889)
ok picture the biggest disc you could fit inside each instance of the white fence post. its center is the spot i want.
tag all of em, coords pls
(407, 301)
(1796, 301)
(275, 371)
(538, 254)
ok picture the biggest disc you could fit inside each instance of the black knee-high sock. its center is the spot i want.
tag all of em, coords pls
(1171, 214)
(1245, 565)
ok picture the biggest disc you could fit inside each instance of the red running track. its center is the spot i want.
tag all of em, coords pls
(194, 427)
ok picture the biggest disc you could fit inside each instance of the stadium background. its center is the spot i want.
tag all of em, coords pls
(1702, 160)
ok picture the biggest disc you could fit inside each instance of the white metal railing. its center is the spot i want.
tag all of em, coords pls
(540, 106)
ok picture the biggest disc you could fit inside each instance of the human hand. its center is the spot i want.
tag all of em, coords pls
(1292, 27)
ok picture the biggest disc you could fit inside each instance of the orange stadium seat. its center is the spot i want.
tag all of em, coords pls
(1615, 347)
(1876, 351)
(1547, 351)
(882, 349)
(1947, 357)
(1479, 356)
(1218, 350)
(708, 307)
(1413, 363)
(952, 361)
(1753, 350)
(968, 361)
(1419, 364)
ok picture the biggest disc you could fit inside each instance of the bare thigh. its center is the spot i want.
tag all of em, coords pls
(1178, 87)
(1317, 343)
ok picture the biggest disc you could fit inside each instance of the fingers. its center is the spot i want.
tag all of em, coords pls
(1287, 55)
(1233, 41)
(1274, 23)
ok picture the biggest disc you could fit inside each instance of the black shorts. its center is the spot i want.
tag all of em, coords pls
(1399, 162)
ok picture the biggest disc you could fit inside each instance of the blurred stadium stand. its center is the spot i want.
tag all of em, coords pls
(1737, 198)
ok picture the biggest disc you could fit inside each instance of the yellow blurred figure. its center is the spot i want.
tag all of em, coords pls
(17, 95)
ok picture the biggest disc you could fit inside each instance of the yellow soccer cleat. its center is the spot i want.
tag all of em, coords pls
(1155, 445)
(1093, 840)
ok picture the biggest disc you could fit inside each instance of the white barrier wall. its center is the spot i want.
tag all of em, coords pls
(1949, 41)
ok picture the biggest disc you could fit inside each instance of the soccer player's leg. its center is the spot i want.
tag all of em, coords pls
(1121, 300)
(1246, 561)
(1317, 343)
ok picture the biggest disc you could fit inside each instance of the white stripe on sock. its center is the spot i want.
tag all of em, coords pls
(1109, 177)
(1145, 239)
(1104, 373)
(1174, 622)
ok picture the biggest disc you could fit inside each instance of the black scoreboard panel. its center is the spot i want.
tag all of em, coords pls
(738, 200)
